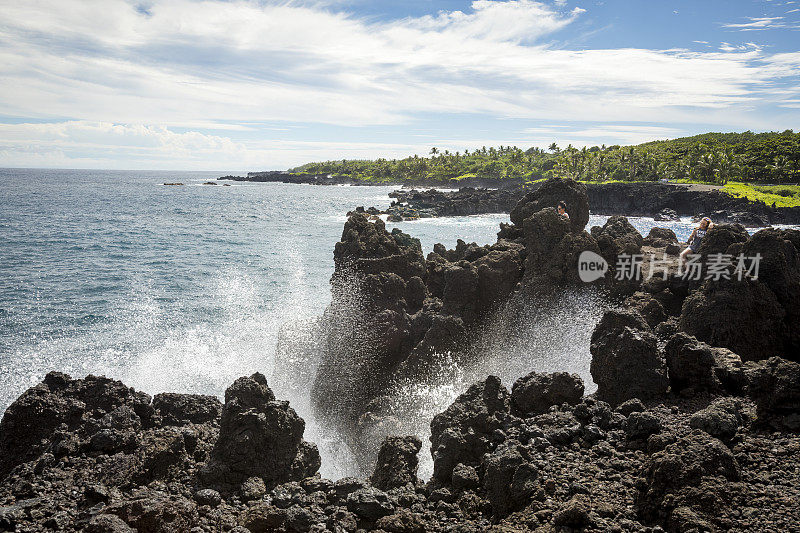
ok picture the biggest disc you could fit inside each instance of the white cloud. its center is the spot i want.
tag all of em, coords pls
(728, 47)
(759, 23)
(233, 61)
(224, 65)
(84, 144)
(600, 134)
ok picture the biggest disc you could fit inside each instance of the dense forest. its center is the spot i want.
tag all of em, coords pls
(711, 157)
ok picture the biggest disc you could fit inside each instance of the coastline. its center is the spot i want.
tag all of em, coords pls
(656, 200)
(688, 401)
(483, 195)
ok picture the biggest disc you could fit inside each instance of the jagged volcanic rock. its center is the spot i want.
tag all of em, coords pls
(626, 360)
(463, 433)
(697, 365)
(397, 463)
(682, 483)
(743, 316)
(45, 417)
(775, 386)
(551, 192)
(535, 393)
(259, 437)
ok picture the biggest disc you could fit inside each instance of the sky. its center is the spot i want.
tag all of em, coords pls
(257, 85)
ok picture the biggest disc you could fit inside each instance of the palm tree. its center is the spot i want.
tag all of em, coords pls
(706, 166)
(601, 165)
(781, 166)
(727, 165)
(434, 151)
(632, 163)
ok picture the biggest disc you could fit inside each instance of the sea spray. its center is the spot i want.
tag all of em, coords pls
(546, 334)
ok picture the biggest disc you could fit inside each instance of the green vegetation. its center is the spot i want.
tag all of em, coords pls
(709, 158)
(778, 195)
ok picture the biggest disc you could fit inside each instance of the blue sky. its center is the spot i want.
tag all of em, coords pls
(246, 85)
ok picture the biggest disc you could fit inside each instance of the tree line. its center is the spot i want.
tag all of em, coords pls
(711, 157)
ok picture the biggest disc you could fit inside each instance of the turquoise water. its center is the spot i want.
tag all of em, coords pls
(185, 288)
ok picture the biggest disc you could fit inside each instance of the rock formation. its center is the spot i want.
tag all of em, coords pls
(663, 202)
(259, 438)
(626, 360)
(397, 463)
(394, 313)
(695, 425)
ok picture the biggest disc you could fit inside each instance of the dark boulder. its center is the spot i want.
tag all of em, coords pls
(688, 473)
(535, 393)
(181, 409)
(620, 231)
(721, 236)
(634, 405)
(498, 272)
(369, 503)
(465, 477)
(367, 248)
(377, 286)
(626, 362)
(208, 497)
(774, 384)
(259, 437)
(551, 192)
(460, 294)
(543, 231)
(660, 237)
(441, 333)
(574, 514)
(397, 463)
(779, 269)
(694, 364)
(743, 316)
(617, 237)
(721, 419)
(510, 478)
(263, 518)
(30, 423)
(463, 432)
(403, 521)
(648, 306)
(641, 425)
(553, 249)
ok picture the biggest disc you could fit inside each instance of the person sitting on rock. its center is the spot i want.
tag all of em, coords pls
(562, 209)
(696, 238)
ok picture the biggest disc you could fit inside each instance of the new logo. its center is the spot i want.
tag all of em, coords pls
(591, 266)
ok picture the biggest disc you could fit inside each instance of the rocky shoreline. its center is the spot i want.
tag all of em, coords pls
(482, 195)
(657, 200)
(693, 427)
(306, 178)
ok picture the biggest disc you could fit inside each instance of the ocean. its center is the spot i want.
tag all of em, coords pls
(186, 288)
